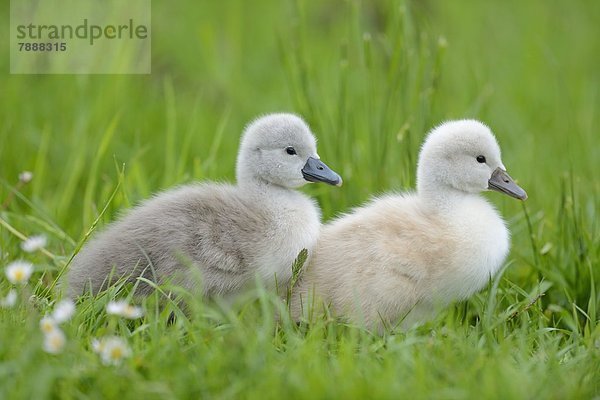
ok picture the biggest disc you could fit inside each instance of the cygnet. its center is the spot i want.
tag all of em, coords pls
(400, 258)
(215, 239)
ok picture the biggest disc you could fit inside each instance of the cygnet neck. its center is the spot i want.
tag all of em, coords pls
(257, 186)
(442, 197)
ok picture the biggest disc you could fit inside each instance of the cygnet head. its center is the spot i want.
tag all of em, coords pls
(279, 149)
(463, 156)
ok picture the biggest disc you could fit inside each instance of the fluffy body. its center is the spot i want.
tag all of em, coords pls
(230, 235)
(401, 257)
(215, 239)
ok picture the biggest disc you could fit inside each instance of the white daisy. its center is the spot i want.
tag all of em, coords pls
(19, 272)
(113, 350)
(10, 300)
(34, 243)
(47, 325)
(63, 311)
(25, 176)
(54, 341)
(124, 309)
(97, 345)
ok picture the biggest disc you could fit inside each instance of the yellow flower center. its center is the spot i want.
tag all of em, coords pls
(116, 353)
(19, 275)
(56, 341)
(47, 327)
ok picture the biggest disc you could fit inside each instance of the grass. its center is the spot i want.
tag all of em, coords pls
(371, 78)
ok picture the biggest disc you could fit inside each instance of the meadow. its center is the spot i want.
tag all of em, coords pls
(371, 78)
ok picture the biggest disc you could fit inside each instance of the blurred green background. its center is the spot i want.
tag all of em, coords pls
(371, 78)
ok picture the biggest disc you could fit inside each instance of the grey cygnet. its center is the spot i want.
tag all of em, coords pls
(226, 234)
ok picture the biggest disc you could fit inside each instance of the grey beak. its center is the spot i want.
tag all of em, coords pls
(315, 170)
(502, 182)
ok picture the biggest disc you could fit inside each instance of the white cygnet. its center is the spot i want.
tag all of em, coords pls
(227, 235)
(398, 259)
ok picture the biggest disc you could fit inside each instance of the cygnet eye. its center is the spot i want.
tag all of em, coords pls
(480, 159)
(290, 150)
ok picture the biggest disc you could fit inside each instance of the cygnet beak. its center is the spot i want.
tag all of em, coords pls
(315, 170)
(502, 182)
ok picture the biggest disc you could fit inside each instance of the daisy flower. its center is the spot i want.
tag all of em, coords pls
(124, 309)
(63, 311)
(19, 272)
(47, 325)
(34, 243)
(10, 300)
(54, 337)
(112, 350)
(54, 341)
(97, 346)
(25, 177)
